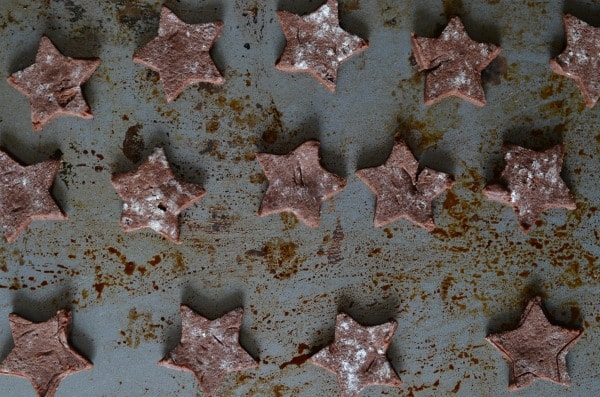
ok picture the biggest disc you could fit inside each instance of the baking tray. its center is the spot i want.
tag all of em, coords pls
(447, 289)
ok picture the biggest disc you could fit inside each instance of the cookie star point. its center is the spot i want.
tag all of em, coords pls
(453, 64)
(401, 191)
(210, 349)
(42, 352)
(316, 44)
(580, 60)
(298, 183)
(181, 54)
(153, 197)
(25, 195)
(537, 349)
(531, 184)
(53, 84)
(357, 356)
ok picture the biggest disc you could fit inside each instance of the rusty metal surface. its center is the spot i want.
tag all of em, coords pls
(447, 289)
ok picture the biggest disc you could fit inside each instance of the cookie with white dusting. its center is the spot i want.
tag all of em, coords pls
(316, 44)
(580, 60)
(209, 349)
(181, 53)
(298, 183)
(42, 352)
(25, 195)
(357, 356)
(402, 191)
(453, 64)
(153, 198)
(530, 183)
(53, 84)
(536, 349)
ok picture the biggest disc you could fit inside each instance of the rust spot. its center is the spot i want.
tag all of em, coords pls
(155, 260)
(212, 148)
(179, 266)
(129, 266)
(446, 284)
(298, 360)
(133, 144)
(213, 125)
(130, 12)
(289, 220)
(281, 390)
(99, 287)
(236, 105)
(257, 178)
(350, 5)
(546, 91)
(269, 136)
(140, 328)
(281, 257)
(334, 252)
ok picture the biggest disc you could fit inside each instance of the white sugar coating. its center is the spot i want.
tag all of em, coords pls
(327, 32)
(301, 64)
(461, 79)
(321, 15)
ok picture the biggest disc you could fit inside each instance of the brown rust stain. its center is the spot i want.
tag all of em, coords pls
(422, 133)
(99, 287)
(334, 250)
(131, 12)
(350, 5)
(179, 264)
(140, 328)
(456, 387)
(128, 266)
(213, 125)
(212, 148)
(297, 360)
(280, 257)
(257, 178)
(446, 284)
(133, 144)
(156, 259)
(269, 136)
(289, 220)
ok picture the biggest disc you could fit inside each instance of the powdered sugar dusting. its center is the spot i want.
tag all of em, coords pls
(531, 183)
(357, 356)
(153, 198)
(317, 44)
(454, 63)
(581, 58)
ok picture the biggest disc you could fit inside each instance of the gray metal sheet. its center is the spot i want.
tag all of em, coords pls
(447, 289)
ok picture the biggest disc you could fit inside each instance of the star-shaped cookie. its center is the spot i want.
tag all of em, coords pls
(580, 60)
(357, 356)
(316, 44)
(53, 84)
(25, 195)
(530, 183)
(453, 63)
(209, 349)
(298, 183)
(42, 352)
(153, 198)
(181, 53)
(536, 349)
(401, 193)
